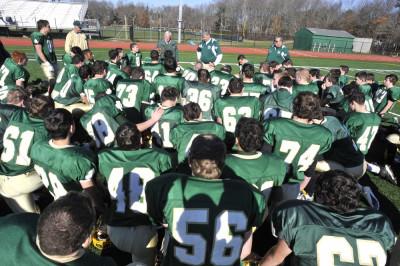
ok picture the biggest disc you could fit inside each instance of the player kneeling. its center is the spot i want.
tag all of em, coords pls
(208, 222)
(332, 229)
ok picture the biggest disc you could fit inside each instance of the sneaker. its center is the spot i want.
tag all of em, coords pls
(387, 173)
(303, 195)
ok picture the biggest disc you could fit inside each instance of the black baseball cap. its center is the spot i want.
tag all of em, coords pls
(77, 23)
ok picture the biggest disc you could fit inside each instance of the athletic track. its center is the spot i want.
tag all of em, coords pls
(225, 49)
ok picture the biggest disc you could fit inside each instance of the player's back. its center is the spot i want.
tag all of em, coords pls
(21, 133)
(231, 108)
(311, 87)
(255, 89)
(278, 104)
(152, 70)
(61, 168)
(70, 93)
(132, 92)
(10, 72)
(94, 86)
(183, 134)
(319, 236)
(205, 94)
(366, 89)
(189, 74)
(297, 143)
(221, 79)
(207, 210)
(263, 78)
(168, 80)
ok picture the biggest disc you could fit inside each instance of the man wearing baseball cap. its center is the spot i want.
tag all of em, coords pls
(76, 38)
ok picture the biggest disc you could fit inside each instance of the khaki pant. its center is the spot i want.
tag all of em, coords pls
(140, 241)
(16, 191)
(82, 106)
(48, 72)
(357, 171)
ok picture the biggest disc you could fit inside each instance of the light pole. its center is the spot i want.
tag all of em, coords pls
(180, 22)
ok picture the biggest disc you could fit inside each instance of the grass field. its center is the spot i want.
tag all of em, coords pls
(388, 194)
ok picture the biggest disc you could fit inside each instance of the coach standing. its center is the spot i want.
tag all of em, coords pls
(278, 52)
(167, 44)
(76, 38)
(209, 52)
(44, 49)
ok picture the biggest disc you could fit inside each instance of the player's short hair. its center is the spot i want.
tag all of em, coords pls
(344, 68)
(41, 23)
(170, 64)
(65, 224)
(315, 72)
(99, 67)
(168, 53)
(169, 93)
(335, 72)
(338, 191)
(273, 64)
(128, 137)
(370, 76)
(127, 69)
(87, 51)
(291, 72)
(133, 44)
(264, 66)
(250, 134)
(332, 78)
(207, 156)
(241, 57)
(76, 50)
(392, 78)
(286, 82)
(113, 53)
(154, 55)
(248, 70)
(17, 95)
(191, 111)
(58, 123)
(287, 62)
(77, 59)
(361, 75)
(85, 71)
(306, 105)
(349, 88)
(235, 85)
(303, 74)
(226, 68)
(203, 75)
(39, 106)
(18, 56)
(356, 96)
(137, 73)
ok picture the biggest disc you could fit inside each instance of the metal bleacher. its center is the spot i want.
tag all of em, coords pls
(60, 14)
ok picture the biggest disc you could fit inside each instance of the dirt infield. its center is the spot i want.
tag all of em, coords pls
(225, 49)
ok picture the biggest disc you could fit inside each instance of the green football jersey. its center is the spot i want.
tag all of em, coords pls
(263, 78)
(297, 143)
(67, 59)
(255, 89)
(230, 109)
(103, 120)
(20, 248)
(209, 50)
(4, 92)
(319, 236)
(392, 116)
(133, 92)
(95, 86)
(383, 95)
(127, 173)
(161, 130)
(312, 87)
(168, 80)
(207, 220)
(190, 74)
(65, 74)
(343, 80)
(369, 104)
(278, 104)
(221, 79)
(6, 112)
(71, 92)
(205, 94)
(21, 133)
(278, 54)
(335, 94)
(151, 71)
(183, 135)
(263, 171)
(114, 74)
(10, 72)
(366, 89)
(134, 59)
(343, 149)
(62, 168)
(363, 128)
(47, 46)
